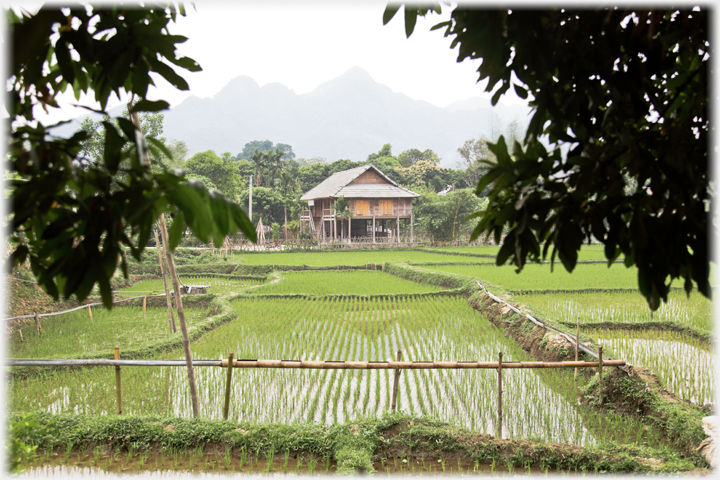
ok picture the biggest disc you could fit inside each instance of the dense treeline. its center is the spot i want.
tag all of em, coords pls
(279, 178)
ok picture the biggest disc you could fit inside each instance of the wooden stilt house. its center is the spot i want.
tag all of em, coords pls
(381, 209)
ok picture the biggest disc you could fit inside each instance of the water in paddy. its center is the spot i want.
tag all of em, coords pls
(536, 404)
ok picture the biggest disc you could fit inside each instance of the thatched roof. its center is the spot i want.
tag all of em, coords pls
(337, 185)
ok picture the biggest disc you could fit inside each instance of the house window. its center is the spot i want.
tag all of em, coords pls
(386, 207)
(361, 207)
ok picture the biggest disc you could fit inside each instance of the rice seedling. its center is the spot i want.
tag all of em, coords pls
(539, 277)
(75, 333)
(623, 308)
(684, 365)
(219, 285)
(350, 257)
(343, 282)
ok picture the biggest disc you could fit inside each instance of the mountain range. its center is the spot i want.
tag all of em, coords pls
(348, 117)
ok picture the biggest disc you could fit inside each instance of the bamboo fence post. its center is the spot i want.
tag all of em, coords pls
(227, 386)
(577, 343)
(118, 389)
(90, 313)
(144, 304)
(20, 333)
(163, 271)
(500, 415)
(37, 324)
(393, 404)
(176, 288)
(600, 369)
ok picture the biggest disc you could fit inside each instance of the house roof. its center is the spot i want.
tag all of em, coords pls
(336, 185)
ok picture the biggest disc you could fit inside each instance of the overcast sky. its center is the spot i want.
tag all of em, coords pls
(304, 44)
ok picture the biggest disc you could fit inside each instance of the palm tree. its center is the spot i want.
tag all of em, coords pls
(342, 210)
(258, 158)
(288, 183)
(274, 163)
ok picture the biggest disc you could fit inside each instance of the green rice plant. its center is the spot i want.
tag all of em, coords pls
(630, 308)
(350, 257)
(75, 333)
(539, 277)
(328, 282)
(684, 365)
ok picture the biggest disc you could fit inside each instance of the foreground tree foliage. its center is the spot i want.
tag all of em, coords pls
(621, 96)
(65, 217)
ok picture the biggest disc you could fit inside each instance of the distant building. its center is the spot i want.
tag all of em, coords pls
(381, 209)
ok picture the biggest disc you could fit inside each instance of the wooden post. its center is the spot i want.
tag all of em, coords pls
(37, 324)
(118, 389)
(144, 304)
(163, 271)
(373, 228)
(500, 415)
(577, 343)
(349, 229)
(397, 223)
(176, 287)
(600, 369)
(393, 402)
(90, 313)
(412, 239)
(20, 333)
(227, 386)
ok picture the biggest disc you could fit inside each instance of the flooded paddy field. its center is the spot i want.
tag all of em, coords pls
(538, 404)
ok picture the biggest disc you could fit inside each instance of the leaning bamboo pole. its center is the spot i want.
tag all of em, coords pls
(163, 271)
(176, 287)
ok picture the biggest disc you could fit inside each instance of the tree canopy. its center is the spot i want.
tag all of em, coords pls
(69, 218)
(620, 96)
(221, 172)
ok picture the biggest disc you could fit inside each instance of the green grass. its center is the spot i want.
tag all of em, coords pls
(350, 257)
(328, 282)
(75, 333)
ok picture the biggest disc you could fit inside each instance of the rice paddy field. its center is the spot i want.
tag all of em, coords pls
(538, 404)
(630, 308)
(684, 365)
(358, 257)
(539, 277)
(218, 285)
(77, 333)
(328, 282)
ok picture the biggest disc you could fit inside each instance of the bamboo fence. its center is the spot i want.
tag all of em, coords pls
(398, 365)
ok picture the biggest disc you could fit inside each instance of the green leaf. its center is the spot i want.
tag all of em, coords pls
(410, 20)
(390, 11)
(521, 92)
(150, 106)
(113, 148)
(159, 145)
(176, 230)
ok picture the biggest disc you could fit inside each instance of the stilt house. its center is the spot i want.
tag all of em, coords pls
(381, 209)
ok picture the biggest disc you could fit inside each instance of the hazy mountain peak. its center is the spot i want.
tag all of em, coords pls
(238, 85)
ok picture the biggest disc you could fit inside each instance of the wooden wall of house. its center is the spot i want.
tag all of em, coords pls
(400, 206)
(369, 176)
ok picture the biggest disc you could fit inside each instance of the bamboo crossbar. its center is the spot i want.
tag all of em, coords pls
(322, 365)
